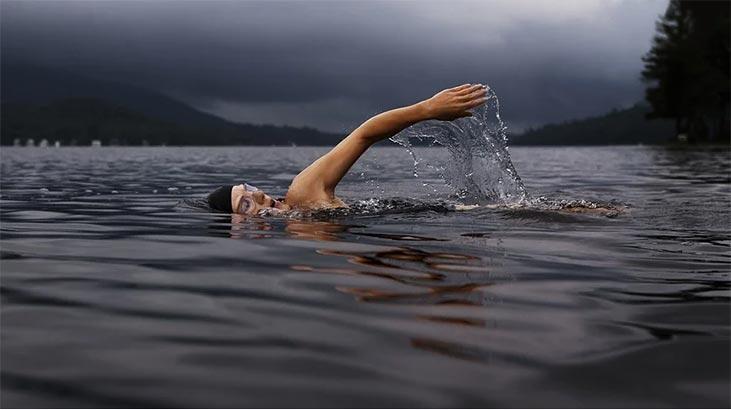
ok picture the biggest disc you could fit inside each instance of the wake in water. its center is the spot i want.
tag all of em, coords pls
(480, 169)
(540, 208)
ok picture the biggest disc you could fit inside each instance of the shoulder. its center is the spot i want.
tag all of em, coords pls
(312, 199)
(306, 193)
(313, 202)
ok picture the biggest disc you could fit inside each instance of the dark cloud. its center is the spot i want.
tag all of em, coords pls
(331, 64)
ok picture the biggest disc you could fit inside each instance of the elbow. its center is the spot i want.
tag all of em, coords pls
(365, 137)
(371, 132)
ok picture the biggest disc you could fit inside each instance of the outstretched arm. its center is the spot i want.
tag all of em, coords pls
(316, 183)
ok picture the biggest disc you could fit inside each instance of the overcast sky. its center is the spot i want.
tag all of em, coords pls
(331, 65)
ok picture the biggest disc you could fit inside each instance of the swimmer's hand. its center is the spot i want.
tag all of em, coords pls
(453, 103)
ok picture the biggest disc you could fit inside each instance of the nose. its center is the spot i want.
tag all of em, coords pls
(258, 197)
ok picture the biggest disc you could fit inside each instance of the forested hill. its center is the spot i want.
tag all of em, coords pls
(55, 105)
(78, 121)
(627, 126)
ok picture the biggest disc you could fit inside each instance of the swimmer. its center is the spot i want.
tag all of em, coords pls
(314, 187)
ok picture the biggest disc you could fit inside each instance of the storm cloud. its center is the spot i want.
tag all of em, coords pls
(330, 65)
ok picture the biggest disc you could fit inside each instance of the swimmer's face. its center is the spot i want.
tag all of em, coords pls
(247, 200)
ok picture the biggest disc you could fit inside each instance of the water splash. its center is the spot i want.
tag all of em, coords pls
(480, 169)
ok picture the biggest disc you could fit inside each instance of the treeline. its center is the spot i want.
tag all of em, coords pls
(79, 121)
(687, 69)
(628, 126)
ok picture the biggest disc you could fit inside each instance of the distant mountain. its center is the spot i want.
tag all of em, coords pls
(39, 85)
(627, 126)
(58, 105)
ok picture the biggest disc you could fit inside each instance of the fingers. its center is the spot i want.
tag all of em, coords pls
(471, 89)
(475, 103)
(460, 87)
(478, 93)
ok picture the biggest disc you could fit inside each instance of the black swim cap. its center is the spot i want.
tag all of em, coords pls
(220, 199)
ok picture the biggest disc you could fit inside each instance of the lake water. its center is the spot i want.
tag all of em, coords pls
(118, 291)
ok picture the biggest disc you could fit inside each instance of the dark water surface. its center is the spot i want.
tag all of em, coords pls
(117, 292)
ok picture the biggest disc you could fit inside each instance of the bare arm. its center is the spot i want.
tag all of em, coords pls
(316, 183)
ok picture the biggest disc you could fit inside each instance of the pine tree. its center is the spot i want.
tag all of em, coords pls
(687, 69)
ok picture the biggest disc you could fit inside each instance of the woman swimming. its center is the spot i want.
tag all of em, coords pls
(314, 187)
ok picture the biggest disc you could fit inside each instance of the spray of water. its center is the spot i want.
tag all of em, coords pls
(479, 168)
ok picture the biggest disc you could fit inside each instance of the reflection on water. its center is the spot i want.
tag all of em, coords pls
(116, 292)
(454, 350)
(315, 230)
(430, 278)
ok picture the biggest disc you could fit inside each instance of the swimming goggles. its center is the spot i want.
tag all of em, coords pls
(245, 204)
